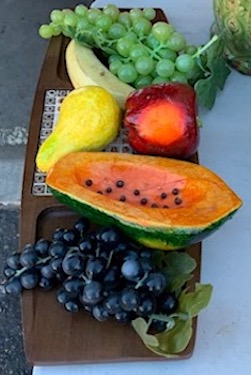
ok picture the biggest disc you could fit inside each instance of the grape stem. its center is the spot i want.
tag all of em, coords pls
(22, 270)
(141, 281)
(166, 318)
(202, 49)
(109, 259)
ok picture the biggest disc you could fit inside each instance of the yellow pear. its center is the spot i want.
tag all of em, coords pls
(89, 119)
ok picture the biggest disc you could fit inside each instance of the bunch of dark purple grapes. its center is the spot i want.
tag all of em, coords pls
(99, 271)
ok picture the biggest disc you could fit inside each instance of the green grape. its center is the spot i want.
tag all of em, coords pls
(127, 73)
(136, 51)
(116, 31)
(149, 13)
(184, 63)
(142, 81)
(93, 14)
(162, 31)
(136, 13)
(83, 25)
(152, 42)
(179, 77)
(165, 68)
(123, 46)
(67, 11)
(190, 49)
(112, 58)
(157, 80)
(144, 65)
(176, 42)
(57, 16)
(167, 53)
(45, 31)
(81, 10)
(103, 22)
(124, 19)
(112, 11)
(141, 26)
(194, 73)
(68, 33)
(70, 19)
(130, 35)
(57, 29)
(114, 66)
(154, 73)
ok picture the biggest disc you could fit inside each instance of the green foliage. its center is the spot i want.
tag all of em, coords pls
(179, 329)
(215, 72)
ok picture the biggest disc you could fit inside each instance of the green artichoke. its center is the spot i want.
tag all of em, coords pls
(233, 22)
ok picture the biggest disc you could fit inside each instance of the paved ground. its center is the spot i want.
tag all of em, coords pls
(12, 359)
(22, 53)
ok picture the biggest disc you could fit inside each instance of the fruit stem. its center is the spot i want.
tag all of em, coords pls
(22, 270)
(109, 259)
(202, 49)
(141, 281)
(168, 318)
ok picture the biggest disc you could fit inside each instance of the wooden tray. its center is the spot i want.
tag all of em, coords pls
(52, 335)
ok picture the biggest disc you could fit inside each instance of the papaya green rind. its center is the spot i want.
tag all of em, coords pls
(153, 237)
(207, 201)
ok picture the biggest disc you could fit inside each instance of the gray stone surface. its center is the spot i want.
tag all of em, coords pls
(12, 358)
(22, 54)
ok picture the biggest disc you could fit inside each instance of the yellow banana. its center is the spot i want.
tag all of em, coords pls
(85, 69)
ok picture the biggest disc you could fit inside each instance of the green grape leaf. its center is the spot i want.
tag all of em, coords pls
(192, 303)
(206, 91)
(215, 74)
(220, 72)
(177, 267)
(179, 263)
(177, 282)
(168, 343)
(175, 340)
(141, 328)
(215, 50)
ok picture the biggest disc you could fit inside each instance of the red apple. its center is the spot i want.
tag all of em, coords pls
(162, 120)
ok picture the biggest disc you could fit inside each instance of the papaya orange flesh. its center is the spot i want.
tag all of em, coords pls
(159, 202)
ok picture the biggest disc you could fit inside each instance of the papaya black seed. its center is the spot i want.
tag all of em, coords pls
(120, 183)
(165, 207)
(175, 191)
(177, 201)
(143, 201)
(122, 198)
(109, 190)
(163, 195)
(136, 192)
(154, 205)
(88, 182)
(99, 192)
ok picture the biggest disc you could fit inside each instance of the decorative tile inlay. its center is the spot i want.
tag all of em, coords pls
(52, 102)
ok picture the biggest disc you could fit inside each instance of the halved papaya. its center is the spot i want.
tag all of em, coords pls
(159, 202)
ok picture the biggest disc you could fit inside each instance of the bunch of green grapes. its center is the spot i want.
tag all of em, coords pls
(139, 52)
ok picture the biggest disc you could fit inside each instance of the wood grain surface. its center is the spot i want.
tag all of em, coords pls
(52, 335)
